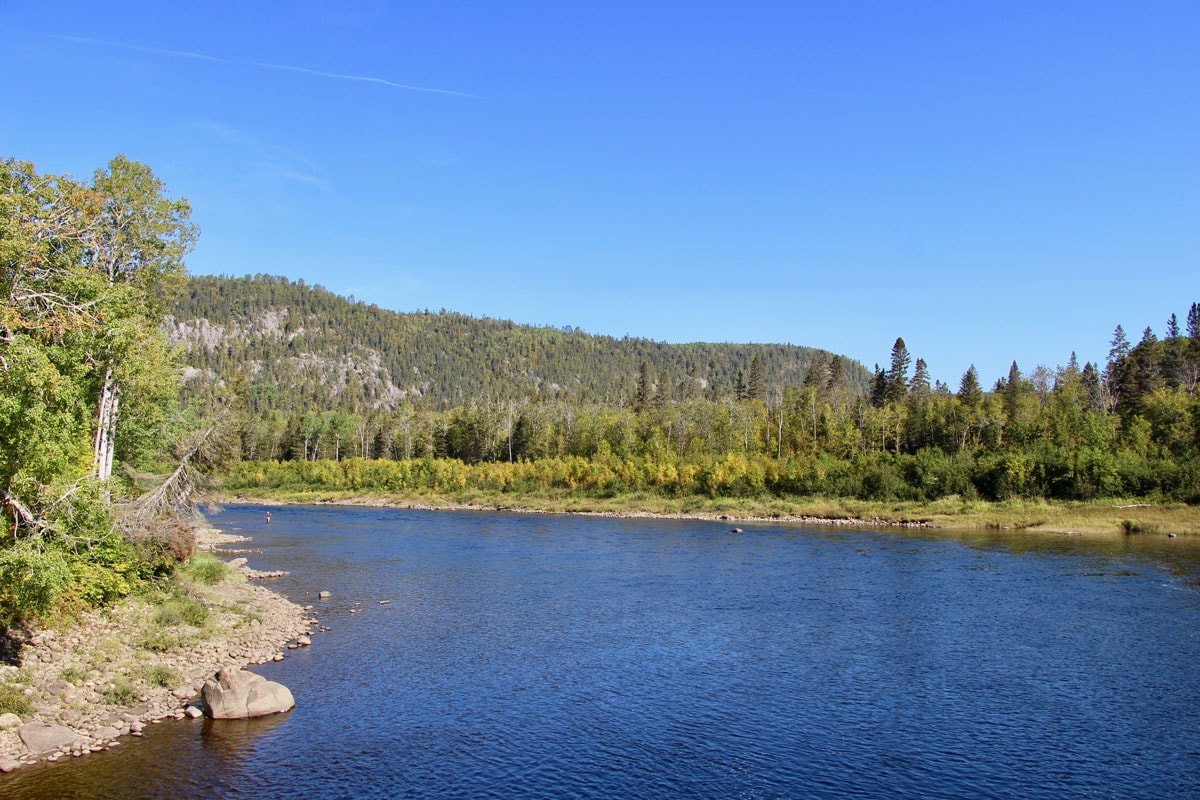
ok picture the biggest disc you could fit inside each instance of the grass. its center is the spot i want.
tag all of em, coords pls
(1114, 515)
(73, 674)
(159, 675)
(181, 610)
(204, 569)
(121, 692)
(13, 700)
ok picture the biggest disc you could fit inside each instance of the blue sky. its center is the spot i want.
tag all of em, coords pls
(991, 181)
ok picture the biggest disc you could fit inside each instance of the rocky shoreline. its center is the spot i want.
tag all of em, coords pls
(91, 684)
(794, 519)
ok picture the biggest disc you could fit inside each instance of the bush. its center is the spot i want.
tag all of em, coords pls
(205, 569)
(13, 700)
(32, 578)
(121, 692)
(181, 610)
(160, 675)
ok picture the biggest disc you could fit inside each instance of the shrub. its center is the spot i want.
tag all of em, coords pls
(160, 675)
(205, 569)
(181, 610)
(73, 674)
(121, 692)
(32, 578)
(13, 700)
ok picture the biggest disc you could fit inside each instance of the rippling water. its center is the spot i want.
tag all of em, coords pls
(559, 657)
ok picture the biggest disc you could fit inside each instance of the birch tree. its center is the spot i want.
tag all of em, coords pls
(137, 247)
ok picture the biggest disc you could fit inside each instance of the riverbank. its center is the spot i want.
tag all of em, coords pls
(115, 671)
(1115, 516)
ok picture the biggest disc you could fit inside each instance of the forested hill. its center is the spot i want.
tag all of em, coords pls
(304, 348)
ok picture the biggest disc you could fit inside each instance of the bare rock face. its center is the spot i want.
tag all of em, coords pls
(42, 737)
(238, 694)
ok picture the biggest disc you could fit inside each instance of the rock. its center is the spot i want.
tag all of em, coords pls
(385, 602)
(105, 733)
(303, 641)
(193, 712)
(42, 737)
(323, 595)
(237, 694)
(237, 562)
(8, 764)
(9, 721)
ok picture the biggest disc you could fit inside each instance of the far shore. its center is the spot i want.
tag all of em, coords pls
(1124, 517)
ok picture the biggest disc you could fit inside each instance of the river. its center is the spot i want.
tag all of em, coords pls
(539, 656)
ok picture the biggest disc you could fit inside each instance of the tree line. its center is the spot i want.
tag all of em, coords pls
(1129, 428)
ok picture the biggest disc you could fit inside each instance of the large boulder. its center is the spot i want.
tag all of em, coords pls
(237, 694)
(43, 737)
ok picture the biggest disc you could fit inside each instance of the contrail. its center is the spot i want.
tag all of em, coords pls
(264, 65)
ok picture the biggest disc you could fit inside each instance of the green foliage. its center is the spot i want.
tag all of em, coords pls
(13, 700)
(121, 692)
(159, 675)
(85, 271)
(33, 575)
(181, 610)
(73, 674)
(204, 569)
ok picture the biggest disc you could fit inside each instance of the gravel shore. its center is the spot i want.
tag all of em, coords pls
(95, 680)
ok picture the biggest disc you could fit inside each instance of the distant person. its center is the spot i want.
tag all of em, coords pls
(268, 517)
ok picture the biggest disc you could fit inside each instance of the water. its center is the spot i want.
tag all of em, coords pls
(540, 656)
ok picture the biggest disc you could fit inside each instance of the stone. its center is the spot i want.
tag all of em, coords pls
(105, 733)
(238, 694)
(237, 562)
(9, 721)
(303, 641)
(193, 712)
(8, 764)
(42, 737)
(323, 595)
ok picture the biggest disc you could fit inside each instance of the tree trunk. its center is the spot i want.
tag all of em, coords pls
(106, 426)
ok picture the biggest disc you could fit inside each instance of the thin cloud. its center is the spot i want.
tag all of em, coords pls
(265, 65)
(362, 78)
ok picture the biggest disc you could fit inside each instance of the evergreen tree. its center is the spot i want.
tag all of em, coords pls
(1011, 391)
(837, 372)
(644, 389)
(920, 381)
(757, 388)
(897, 375)
(879, 388)
(969, 391)
(740, 391)
(818, 373)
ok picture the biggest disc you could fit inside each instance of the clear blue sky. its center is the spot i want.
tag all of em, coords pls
(991, 181)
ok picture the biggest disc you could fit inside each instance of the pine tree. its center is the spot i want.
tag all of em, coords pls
(1012, 389)
(644, 389)
(969, 391)
(920, 380)
(758, 386)
(879, 388)
(897, 375)
(837, 372)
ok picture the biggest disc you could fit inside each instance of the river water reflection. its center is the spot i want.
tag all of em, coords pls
(541, 656)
